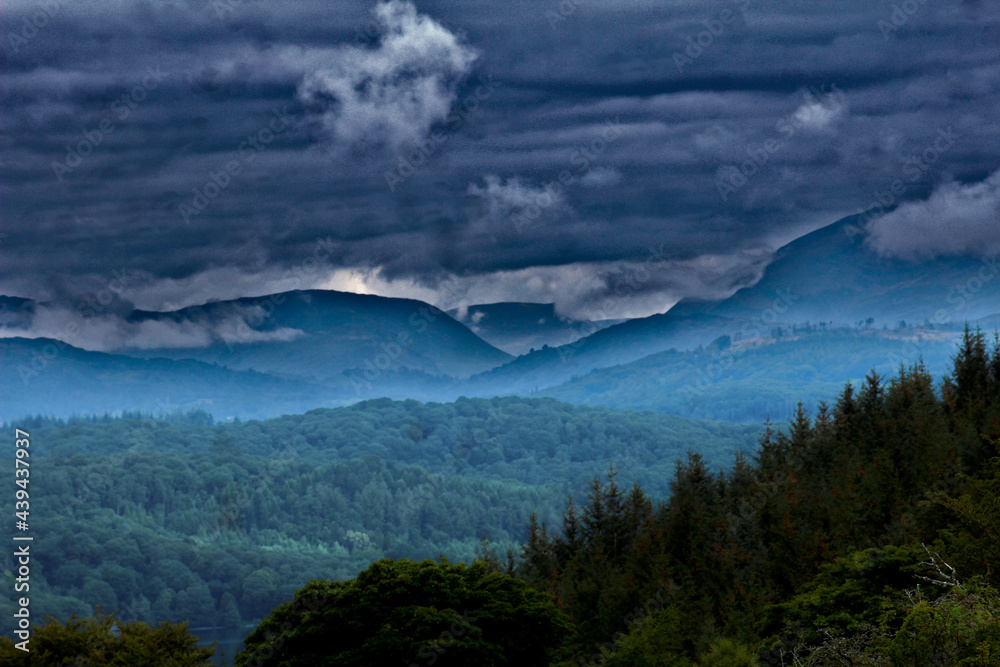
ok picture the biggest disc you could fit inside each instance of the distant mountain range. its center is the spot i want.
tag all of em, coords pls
(761, 377)
(329, 332)
(294, 351)
(831, 275)
(828, 275)
(49, 377)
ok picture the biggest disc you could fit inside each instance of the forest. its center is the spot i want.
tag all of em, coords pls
(180, 519)
(866, 533)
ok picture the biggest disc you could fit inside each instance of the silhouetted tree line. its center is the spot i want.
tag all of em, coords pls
(753, 558)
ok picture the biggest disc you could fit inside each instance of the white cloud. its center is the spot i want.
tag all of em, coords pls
(819, 113)
(513, 199)
(393, 92)
(585, 290)
(955, 220)
(108, 332)
(601, 177)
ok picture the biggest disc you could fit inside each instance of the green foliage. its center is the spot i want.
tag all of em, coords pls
(110, 642)
(975, 539)
(728, 653)
(405, 612)
(176, 519)
(162, 518)
(845, 595)
(961, 628)
(586, 569)
(801, 552)
(811, 551)
(653, 642)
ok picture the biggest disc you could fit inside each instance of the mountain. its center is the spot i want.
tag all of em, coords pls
(989, 322)
(828, 276)
(832, 275)
(759, 378)
(324, 348)
(53, 378)
(518, 328)
(318, 334)
(617, 344)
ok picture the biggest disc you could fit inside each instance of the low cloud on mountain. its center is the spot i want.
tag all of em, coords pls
(957, 219)
(227, 148)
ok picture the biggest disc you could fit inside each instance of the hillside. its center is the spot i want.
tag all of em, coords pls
(747, 381)
(330, 332)
(209, 521)
(831, 275)
(519, 328)
(758, 378)
(58, 380)
(614, 345)
(828, 275)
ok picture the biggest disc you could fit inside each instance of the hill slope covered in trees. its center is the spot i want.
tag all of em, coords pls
(182, 519)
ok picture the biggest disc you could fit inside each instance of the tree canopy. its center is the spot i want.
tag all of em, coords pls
(411, 613)
(110, 642)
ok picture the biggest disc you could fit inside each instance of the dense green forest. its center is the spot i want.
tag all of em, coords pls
(865, 534)
(813, 551)
(182, 519)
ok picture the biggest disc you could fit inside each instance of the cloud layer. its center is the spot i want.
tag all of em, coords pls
(104, 331)
(275, 125)
(395, 91)
(955, 220)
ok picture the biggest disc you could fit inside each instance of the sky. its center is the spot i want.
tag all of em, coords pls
(609, 157)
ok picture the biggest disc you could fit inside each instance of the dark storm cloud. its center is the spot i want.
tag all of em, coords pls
(210, 146)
